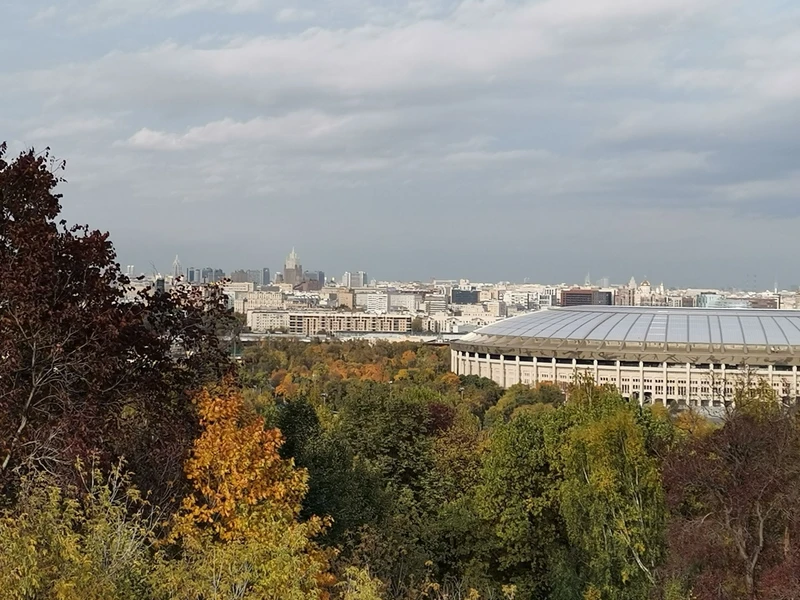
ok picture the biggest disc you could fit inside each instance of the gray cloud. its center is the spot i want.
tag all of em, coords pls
(490, 139)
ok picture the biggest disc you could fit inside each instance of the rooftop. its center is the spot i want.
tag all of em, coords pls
(650, 325)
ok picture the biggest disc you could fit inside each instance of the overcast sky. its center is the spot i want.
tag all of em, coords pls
(494, 140)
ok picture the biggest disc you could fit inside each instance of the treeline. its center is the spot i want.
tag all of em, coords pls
(137, 461)
(451, 485)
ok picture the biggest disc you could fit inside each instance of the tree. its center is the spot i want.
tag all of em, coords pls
(734, 497)
(520, 397)
(86, 364)
(416, 325)
(518, 496)
(612, 502)
(92, 543)
(237, 532)
(391, 429)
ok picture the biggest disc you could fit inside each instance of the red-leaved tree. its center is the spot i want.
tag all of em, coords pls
(83, 367)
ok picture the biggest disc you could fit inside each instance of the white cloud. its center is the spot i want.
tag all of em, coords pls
(293, 129)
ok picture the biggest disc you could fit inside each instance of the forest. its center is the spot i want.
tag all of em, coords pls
(138, 461)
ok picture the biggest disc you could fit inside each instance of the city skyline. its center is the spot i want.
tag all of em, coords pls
(748, 281)
(494, 139)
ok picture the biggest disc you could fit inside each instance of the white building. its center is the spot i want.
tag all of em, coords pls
(404, 302)
(261, 321)
(377, 302)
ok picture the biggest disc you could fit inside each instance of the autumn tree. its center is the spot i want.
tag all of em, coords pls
(734, 496)
(87, 365)
(237, 532)
(612, 499)
(86, 543)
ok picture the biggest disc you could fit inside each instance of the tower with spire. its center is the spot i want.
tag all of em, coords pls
(292, 269)
(177, 269)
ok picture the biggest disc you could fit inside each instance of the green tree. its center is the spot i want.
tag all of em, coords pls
(416, 325)
(612, 498)
(518, 497)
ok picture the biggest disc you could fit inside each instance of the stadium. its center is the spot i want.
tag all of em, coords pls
(671, 356)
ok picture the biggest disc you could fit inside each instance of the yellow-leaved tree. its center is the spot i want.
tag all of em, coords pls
(237, 535)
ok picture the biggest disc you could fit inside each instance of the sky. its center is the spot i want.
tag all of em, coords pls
(485, 139)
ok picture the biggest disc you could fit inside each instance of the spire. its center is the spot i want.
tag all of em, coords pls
(177, 270)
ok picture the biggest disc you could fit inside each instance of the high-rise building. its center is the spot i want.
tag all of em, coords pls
(219, 274)
(239, 276)
(292, 269)
(315, 280)
(346, 280)
(359, 279)
(207, 275)
(255, 276)
(266, 277)
(192, 275)
(129, 270)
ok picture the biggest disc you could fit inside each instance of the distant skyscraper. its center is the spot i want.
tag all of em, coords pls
(177, 269)
(129, 270)
(255, 276)
(266, 277)
(207, 275)
(219, 274)
(292, 269)
(359, 279)
(192, 275)
(346, 280)
(314, 279)
(239, 276)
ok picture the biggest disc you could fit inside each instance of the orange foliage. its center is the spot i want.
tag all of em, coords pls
(287, 388)
(408, 357)
(374, 372)
(239, 478)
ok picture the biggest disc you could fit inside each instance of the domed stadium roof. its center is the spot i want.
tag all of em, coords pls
(611, 330)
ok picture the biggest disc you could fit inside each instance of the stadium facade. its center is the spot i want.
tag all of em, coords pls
(683, 356)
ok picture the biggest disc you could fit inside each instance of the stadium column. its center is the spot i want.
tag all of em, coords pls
(503, 370)
(641, 383)
(555, 370)
(664, 388)
(453, 361)
(794, 383)
(535, 370)
(519, 368)
(688, 384)
(619, 377)
(771, 373)
(596, 373)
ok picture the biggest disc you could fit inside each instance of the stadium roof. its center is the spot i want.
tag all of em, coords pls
(657, 325)
(646, 333)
